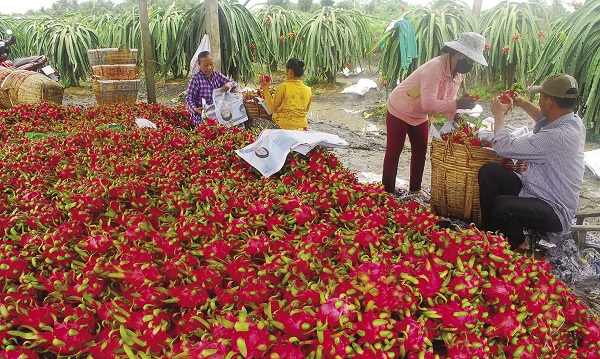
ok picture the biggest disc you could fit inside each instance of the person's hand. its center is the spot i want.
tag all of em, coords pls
(499, 109)
(465, 103)
(228, 86)
(199, 110)
(518, 100)
(262, 81)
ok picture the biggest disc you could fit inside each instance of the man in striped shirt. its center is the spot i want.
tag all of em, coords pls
(546, 195)
(202, 84)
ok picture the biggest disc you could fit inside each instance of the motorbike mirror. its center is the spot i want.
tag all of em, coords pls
(9, 32)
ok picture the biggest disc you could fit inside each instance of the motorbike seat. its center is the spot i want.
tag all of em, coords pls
(24, 60)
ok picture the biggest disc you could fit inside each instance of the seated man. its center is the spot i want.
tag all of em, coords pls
(546, 195)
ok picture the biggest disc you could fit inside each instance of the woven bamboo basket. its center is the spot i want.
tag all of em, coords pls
(4, 71)
(110, 92)
(116, 72)
(113, 56)
(255, 110)
(18, 87)
(454, 177)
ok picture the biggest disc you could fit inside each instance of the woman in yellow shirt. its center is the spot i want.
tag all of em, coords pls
(292, 97)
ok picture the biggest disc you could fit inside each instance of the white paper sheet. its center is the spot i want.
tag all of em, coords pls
(268, 153)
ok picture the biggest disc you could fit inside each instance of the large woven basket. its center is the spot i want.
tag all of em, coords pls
(116, 72)
(113, 56)
(18, 87)
(4, 71)
(110, 92)
(255, 110)
(454, 182)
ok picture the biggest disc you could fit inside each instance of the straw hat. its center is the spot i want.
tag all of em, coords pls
(471, 45)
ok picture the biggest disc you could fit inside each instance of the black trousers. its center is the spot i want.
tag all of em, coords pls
(503, 210)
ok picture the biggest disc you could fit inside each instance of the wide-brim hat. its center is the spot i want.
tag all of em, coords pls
(470, 44)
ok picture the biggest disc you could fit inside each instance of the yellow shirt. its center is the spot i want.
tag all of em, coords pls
(290, 104)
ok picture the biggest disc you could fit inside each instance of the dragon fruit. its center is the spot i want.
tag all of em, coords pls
(286, 351)
(296, 323)
(19, 353)
(334, 309)
(504, 324)
(164, 243)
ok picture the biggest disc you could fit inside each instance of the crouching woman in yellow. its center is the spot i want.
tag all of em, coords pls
(292, 98)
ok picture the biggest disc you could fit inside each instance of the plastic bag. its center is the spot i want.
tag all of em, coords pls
(204, 46)
(448, 127)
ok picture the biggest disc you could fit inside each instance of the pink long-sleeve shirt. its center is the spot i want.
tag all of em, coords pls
(435, 90)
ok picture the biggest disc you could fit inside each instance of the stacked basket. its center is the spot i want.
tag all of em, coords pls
(115, 77)
(18, 87)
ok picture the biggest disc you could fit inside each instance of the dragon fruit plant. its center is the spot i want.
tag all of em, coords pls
(119, 242)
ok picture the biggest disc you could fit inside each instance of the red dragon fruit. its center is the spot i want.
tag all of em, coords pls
(296, 323)
(286, 350)
(334, 309)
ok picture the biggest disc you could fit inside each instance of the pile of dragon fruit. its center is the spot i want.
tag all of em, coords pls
(126, 242)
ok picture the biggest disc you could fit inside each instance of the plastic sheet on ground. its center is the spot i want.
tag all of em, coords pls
(347, 72)
(592, 161)
(573, 265)
(361, 87)
(371, 177)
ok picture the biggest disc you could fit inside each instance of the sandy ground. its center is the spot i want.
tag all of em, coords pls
(354, 118)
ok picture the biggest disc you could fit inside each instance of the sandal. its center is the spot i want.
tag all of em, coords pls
(421, 194)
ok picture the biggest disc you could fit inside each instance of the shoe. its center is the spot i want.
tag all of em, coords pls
(545, 244)
(421, 194)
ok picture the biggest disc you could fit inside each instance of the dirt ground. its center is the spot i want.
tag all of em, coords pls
(355, 118)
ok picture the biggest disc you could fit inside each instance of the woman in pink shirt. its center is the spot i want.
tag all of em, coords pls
(431, 87)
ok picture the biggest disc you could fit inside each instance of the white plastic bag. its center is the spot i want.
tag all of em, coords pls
(473, 112)
(448, 127)
(204, 46)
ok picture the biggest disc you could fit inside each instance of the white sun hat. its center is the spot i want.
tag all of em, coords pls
(471, 45)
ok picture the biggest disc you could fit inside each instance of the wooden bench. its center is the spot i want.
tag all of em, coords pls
(580, 230)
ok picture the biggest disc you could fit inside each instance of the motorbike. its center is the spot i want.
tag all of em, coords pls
(36, 63)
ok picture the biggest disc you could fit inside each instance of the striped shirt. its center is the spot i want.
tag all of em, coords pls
(555, 163)
(201, 87)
